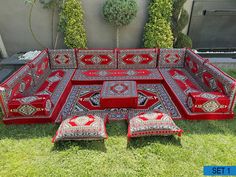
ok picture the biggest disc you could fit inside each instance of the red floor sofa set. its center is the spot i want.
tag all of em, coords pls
(38, 91)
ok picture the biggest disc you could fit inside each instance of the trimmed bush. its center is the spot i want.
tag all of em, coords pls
(120, 12)
(72, 24)
(179, 21)
(183, 41)
(157, 32)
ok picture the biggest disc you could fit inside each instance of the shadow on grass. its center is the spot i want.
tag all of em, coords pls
(148, 140)
(117, 128)
(27, 131)
(97, 145)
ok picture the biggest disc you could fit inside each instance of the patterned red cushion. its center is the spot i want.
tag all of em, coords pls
(171, 58)
(62, 59)
(137, 58)
(96, 59)
(208, 102)
(152, 123)
(88, 127)
(30, 106)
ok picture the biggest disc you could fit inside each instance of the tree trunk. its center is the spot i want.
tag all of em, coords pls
(117, 37)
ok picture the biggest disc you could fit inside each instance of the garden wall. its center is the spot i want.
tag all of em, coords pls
(16, 35)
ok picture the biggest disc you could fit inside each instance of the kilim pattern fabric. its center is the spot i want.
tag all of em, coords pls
(137, 58)
(86, 127)
(208, 102)
(171, 58)
(96, 59)
(152, 123)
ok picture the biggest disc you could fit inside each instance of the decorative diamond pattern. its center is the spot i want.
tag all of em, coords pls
(211, 106)
(27, 110)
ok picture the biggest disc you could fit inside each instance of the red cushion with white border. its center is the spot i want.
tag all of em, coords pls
(87, 127)
(30, 106)
(210, 102)
(152, 123)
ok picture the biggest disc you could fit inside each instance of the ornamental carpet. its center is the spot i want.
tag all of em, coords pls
(85, 99)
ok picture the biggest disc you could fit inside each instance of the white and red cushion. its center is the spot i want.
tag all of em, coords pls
(51, 83)
(210, 102)
(62, 59)
(137, 58)
(15, 86)
(96, 59)
(152, 123)
(169, 58)
(30, 106)
(87, 127)
(40, 67)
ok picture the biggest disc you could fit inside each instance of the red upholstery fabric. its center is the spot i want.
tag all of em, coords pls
(170, 58)
(15, 86)
(30, 106)
(62, 59)
(152, 123)
(40, 67)
(182, 80)
(119, 94)
(96, 59)
(88, 127)
(51, 83)
(208, 102)
(117, 74)
(137, 58)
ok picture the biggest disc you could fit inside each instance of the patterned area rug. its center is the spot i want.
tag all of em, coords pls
(86, 98)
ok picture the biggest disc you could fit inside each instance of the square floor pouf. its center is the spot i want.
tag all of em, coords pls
(152, 123)
(119, 94)
(87, 127)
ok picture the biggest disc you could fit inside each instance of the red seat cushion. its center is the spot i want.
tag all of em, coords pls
(211, 102)
(152, 123)
(30, 106)
(88, 127)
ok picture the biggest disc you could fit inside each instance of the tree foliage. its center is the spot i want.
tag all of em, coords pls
(72, 24)
(157, 31)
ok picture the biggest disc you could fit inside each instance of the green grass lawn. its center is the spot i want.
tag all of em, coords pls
(26, 150)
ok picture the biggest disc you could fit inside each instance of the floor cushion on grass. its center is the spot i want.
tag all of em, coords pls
(87, 127)
(152, 123)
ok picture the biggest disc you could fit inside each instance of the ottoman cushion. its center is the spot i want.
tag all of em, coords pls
(152, 123)
(87, 127)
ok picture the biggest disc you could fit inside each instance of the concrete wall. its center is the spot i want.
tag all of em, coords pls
(16, 35)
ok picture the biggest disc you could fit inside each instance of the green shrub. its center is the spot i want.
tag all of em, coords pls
(120, 12)
(177, 7)
(160, 9)
(157, 32)
(72, 24)
(183, 41)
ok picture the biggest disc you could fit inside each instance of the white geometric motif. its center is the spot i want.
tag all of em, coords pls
(208, 96)
(27, 109)
(210, 106)
(28, 99)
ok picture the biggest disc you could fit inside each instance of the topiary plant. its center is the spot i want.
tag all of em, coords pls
(179, 21)
(183, 41)
(157, 32)
(72, 24)
(119, 13)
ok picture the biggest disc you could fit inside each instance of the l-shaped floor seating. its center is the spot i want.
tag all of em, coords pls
(37, 91)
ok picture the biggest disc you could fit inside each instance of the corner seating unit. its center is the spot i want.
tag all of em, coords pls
(38, 90)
